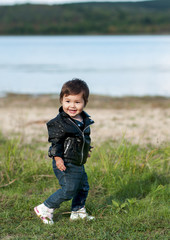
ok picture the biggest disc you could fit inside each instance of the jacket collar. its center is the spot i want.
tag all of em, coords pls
(86, 116)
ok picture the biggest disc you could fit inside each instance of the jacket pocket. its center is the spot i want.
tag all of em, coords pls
(67, 146)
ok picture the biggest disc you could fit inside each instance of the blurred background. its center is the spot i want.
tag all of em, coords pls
(120, 48)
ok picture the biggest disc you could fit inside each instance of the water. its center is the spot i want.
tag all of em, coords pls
(111, 65)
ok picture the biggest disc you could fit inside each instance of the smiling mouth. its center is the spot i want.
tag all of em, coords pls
(72, 111)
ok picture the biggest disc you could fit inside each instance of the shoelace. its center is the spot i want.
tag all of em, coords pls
(46, 213)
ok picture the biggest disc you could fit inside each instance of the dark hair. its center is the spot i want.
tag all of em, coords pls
(74, 87)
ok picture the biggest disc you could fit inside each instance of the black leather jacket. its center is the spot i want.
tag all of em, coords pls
(67, 140)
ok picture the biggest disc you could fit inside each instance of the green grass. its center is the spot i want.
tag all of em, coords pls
(128, 196)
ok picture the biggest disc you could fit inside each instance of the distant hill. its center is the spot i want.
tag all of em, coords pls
(150, 17)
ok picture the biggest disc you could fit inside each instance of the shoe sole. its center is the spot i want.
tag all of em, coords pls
(88, 218)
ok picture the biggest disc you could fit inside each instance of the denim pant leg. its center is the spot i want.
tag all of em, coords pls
(80, 198)
(69, 181)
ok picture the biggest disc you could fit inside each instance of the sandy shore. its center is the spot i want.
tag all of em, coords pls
(143, 124)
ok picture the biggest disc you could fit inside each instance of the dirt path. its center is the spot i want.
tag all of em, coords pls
(143, 125)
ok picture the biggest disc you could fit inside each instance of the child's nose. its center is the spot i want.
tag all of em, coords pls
(72, 104)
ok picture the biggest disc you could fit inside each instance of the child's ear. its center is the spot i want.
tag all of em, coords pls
(85, 103)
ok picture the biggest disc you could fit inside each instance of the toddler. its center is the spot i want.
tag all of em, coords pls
(69, 135)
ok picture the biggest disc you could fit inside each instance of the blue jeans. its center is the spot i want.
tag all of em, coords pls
(74, 185)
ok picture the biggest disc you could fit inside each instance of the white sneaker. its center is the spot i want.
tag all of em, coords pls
(80, 214)
(44, 213)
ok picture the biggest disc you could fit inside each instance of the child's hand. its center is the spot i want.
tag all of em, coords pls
(60, 163)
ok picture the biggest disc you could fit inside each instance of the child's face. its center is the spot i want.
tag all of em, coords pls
(73, 104)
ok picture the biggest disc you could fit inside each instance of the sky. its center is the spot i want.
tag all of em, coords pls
(11, 2)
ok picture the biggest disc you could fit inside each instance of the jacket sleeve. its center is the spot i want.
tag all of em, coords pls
(56, 136)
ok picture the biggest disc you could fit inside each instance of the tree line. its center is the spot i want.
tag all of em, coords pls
(150, 17)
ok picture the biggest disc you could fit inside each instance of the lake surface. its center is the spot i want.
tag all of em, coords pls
(111, 65)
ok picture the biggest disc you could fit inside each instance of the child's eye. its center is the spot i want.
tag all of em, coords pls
(77, 102)
(67, 101)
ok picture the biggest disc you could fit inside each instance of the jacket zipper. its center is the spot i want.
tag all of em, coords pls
(68, 144)
(82, 132)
